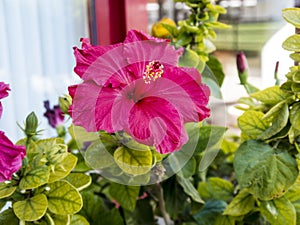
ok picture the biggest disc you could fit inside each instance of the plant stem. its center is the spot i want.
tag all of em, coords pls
(161, 203)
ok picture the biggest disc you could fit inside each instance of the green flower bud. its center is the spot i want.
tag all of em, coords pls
(64, 103)
(31, 124)
(57, 154)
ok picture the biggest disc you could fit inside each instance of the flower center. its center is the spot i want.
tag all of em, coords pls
(153, 70)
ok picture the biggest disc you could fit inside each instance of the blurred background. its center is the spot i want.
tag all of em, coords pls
(36, 40)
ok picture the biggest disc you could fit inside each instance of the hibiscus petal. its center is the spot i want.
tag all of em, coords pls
(154, 121)
(11, 157)
(183, 87)
(91, 107)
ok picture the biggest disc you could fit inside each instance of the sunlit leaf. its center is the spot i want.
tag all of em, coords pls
(35, 177)
(79, 220)
(292, 43)
(63, 169)
(79, 180)
(278, 211)
(63, 198)
(271, 95)
(295, 116)
(292, 15)
(280, 114)
(135, 162)
(252, 124)
(32, 208)
(6, 190)
(241, 204)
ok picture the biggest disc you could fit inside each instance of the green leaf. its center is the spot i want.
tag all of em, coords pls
(295, 115)
(189, 189)
(271, 95)
(209, 78)
(280, 114)
(292, 43)
(210, 137)
(292, 15)
(63, 169)
(6, 190)
(79, 220)
(217, 69)
(252, 124)
(35, 177)
(79, 180)
(208, 214)
(135, 162)
(265, 172)
(59, 219)
(240, 205)
(216, 188)
(295, 56)
(189, 168)
(98, 154)
(183, 39)
(278, 211)
(225, 220)
(7, 217)
(31, 209)
(63, 198)
(189, 59)
(126, 196)
(143, 213)
(80, 135)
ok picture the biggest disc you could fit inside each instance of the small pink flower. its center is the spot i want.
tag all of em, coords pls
(137, 87)
(4, 88)
(11, 157)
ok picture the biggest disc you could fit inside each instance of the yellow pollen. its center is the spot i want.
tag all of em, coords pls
(153, 70)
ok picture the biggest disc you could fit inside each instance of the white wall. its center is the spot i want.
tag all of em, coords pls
(36, 56)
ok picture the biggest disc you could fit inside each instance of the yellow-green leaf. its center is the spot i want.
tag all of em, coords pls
(64, 168)
(252, 124)
(31, 209)
(278, 211)
(292, 15)
(295, 116)
(80, 135)
(6, 190)
(292, 43)
(58, 219)
(63, 198)
(240, 205)
(35, 177)
(79, 220)
(133, 162)
(79, 180)
(271, 95)
(280, 114)
(98, 155)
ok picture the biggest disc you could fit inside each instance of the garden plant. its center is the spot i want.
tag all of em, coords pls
(136, 141)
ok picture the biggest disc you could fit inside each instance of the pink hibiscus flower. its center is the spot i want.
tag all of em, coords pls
(137, 87)
(4, 88)
(11, 157)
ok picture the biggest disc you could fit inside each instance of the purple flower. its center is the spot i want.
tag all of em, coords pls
(11, 157)
(137, 87)
(55, 116)
(4, 88)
